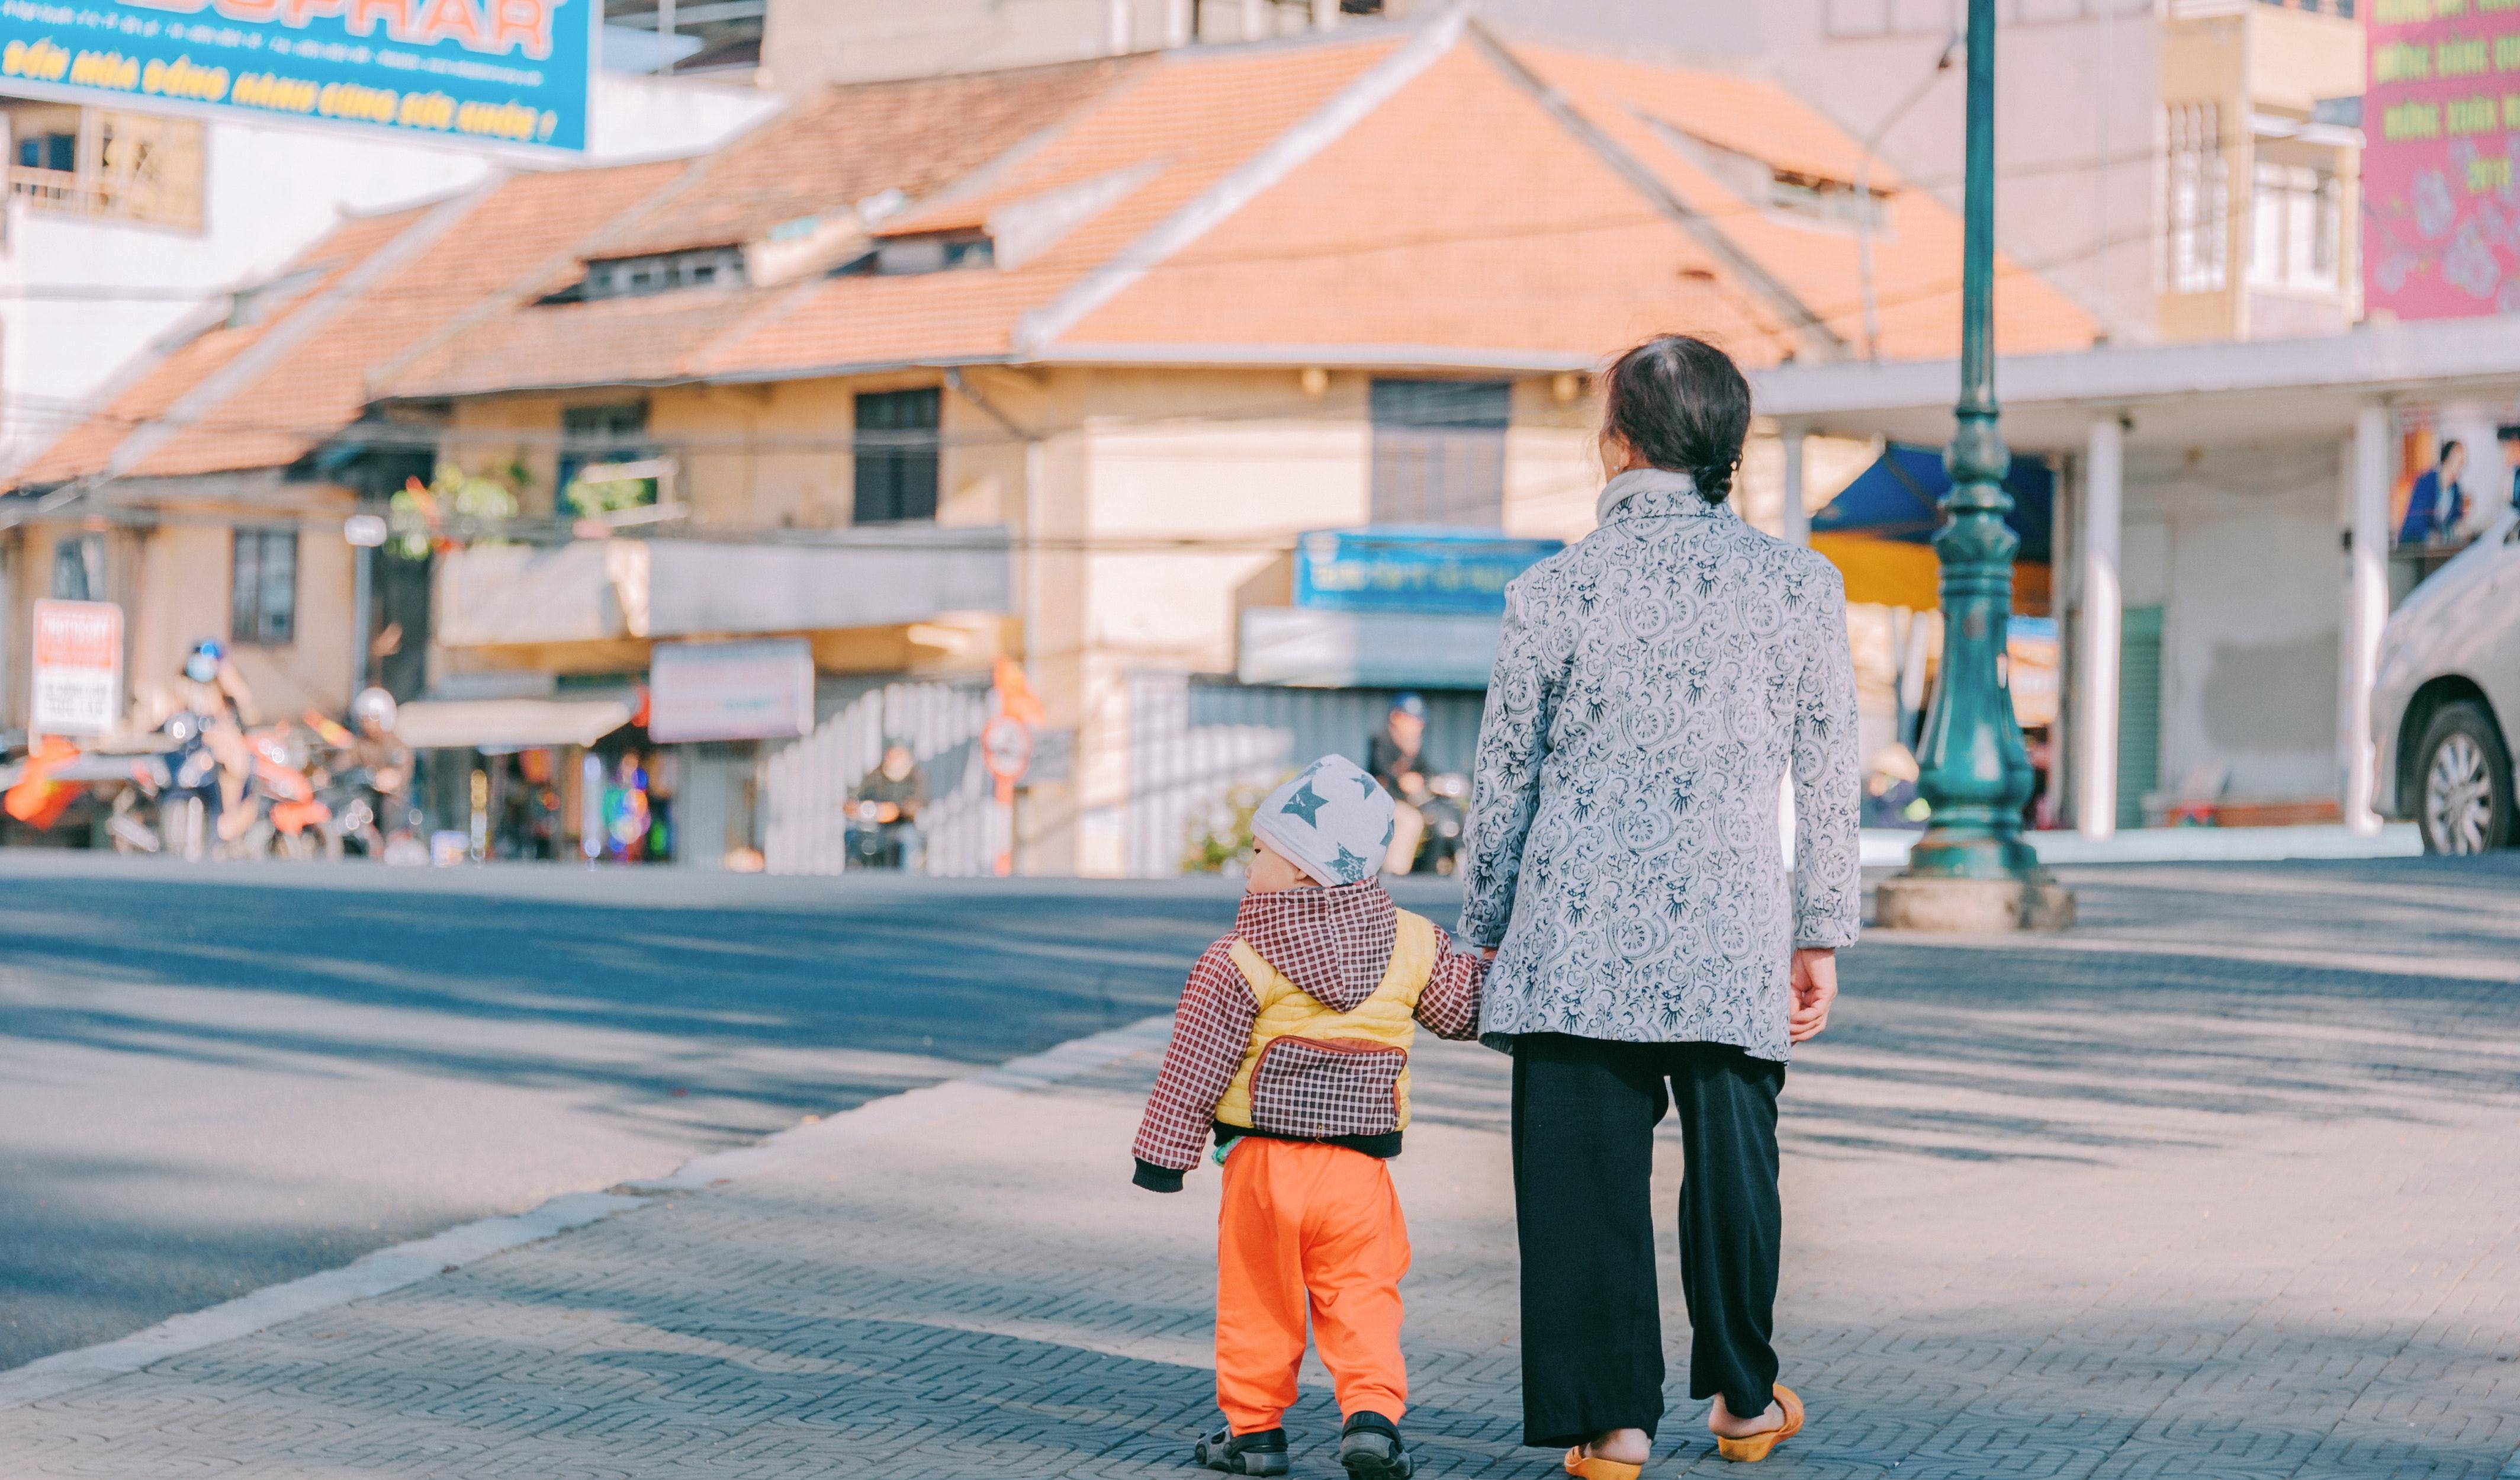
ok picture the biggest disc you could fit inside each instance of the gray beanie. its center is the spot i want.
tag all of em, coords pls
(1331, 820)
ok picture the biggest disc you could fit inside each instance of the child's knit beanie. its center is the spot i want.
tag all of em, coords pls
(1331, 820)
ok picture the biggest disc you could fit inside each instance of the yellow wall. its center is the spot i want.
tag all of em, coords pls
(2298, 56)
(2207, 61)
(492, 437)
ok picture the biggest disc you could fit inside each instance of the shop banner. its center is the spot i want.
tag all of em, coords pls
(486, 72)
(1428, 570)
(730, 691)
(2441, 193)
(78, 684)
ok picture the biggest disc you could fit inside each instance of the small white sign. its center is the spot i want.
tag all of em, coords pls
(78, 668)
(730, 691)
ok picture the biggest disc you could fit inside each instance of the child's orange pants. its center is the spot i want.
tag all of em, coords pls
(1304, 1227)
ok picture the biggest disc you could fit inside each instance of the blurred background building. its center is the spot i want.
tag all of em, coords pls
(1186, 377)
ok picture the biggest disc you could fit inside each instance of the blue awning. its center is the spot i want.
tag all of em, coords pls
(1895, 499)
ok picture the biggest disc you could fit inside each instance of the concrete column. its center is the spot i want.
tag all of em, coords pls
(1326, 13)
(1254, 20)
(1793, 520)
(1179, 21)
(2096, 631)
(1117, 31)
(2367, 609)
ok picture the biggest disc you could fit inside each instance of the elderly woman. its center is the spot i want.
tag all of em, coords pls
(1653, 686)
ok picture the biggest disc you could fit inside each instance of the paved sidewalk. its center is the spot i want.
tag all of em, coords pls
(2223, 1185)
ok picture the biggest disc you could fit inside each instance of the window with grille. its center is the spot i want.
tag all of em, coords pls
(264, 590)
(2196, 225)
(663, 272)
(1439, 451)
(896, 450)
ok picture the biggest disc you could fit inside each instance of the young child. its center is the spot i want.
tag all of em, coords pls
(1291, 1044)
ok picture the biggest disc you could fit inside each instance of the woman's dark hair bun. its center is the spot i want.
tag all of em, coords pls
(1682, 406)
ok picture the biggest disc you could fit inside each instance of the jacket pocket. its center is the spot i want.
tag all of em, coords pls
(1320, 1087)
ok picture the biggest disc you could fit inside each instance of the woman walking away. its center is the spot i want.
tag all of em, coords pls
(1654, 686)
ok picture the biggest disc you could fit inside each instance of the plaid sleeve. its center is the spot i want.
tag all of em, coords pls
(1211, 1030)
(1450, 1005)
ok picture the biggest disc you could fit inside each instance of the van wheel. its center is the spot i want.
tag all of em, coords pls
(2463, 800)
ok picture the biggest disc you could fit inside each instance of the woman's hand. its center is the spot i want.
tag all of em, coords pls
(1814, 983)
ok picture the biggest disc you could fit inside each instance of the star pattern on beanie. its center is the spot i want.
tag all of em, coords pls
(1331, 820)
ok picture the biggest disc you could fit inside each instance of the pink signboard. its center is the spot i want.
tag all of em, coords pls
(2441, 193)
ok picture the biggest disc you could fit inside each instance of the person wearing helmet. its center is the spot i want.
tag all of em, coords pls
(1392, 758)
(209, 686)
(375, 750)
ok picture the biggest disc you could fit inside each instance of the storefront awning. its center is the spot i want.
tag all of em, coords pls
(1900, 498)
(508, 724)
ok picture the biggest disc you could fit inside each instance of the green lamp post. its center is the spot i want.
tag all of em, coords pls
(1971, 871)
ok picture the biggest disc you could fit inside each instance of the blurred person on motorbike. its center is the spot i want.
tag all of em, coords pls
(375, 750)
(890, 797)
(209, 689)
(1392, 757)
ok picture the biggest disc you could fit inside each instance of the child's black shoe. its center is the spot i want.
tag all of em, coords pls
(1371, 1448)
(1260, 1453)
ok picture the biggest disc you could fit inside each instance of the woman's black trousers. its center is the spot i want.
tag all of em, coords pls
(1584, 1115)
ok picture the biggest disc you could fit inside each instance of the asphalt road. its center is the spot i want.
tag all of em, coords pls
(215, 1078)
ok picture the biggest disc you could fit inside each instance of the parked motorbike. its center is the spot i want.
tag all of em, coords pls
(873, 843)
(170, 801)
(288, 817)
(1443, 800)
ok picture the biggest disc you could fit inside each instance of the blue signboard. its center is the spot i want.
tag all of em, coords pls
(509, 73)
(1431, 570)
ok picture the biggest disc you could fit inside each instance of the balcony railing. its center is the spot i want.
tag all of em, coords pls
(611, 589)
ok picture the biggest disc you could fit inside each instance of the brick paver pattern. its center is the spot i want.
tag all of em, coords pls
(2224, 1184)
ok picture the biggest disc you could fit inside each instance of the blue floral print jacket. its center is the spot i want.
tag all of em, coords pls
(1654, 686)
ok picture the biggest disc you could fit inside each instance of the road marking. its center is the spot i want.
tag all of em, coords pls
(400, 1265)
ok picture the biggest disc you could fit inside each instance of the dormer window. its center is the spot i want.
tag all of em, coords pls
(663, 272)
(922, 251)
(1778, 187)
(1821, 197)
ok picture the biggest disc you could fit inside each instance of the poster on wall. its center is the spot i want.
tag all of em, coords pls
(503, 72)
(2441, 160)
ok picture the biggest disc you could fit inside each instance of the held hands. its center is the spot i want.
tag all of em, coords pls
(1814, 987)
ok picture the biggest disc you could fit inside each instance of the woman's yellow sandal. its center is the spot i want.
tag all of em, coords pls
(1754, 1448)
(1584, 1466)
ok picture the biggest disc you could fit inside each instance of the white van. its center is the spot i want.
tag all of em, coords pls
(2446, 707)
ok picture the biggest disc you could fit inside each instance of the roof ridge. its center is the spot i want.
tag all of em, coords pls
(1805, 321)
(1279, 158)
(700, 167)
(285, 336)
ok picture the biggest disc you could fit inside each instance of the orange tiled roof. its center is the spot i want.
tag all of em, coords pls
(459, 253)
(851, 143)
(1190, 119)
(1411, 195)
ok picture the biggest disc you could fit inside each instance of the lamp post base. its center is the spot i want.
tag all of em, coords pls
(1973, 906)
